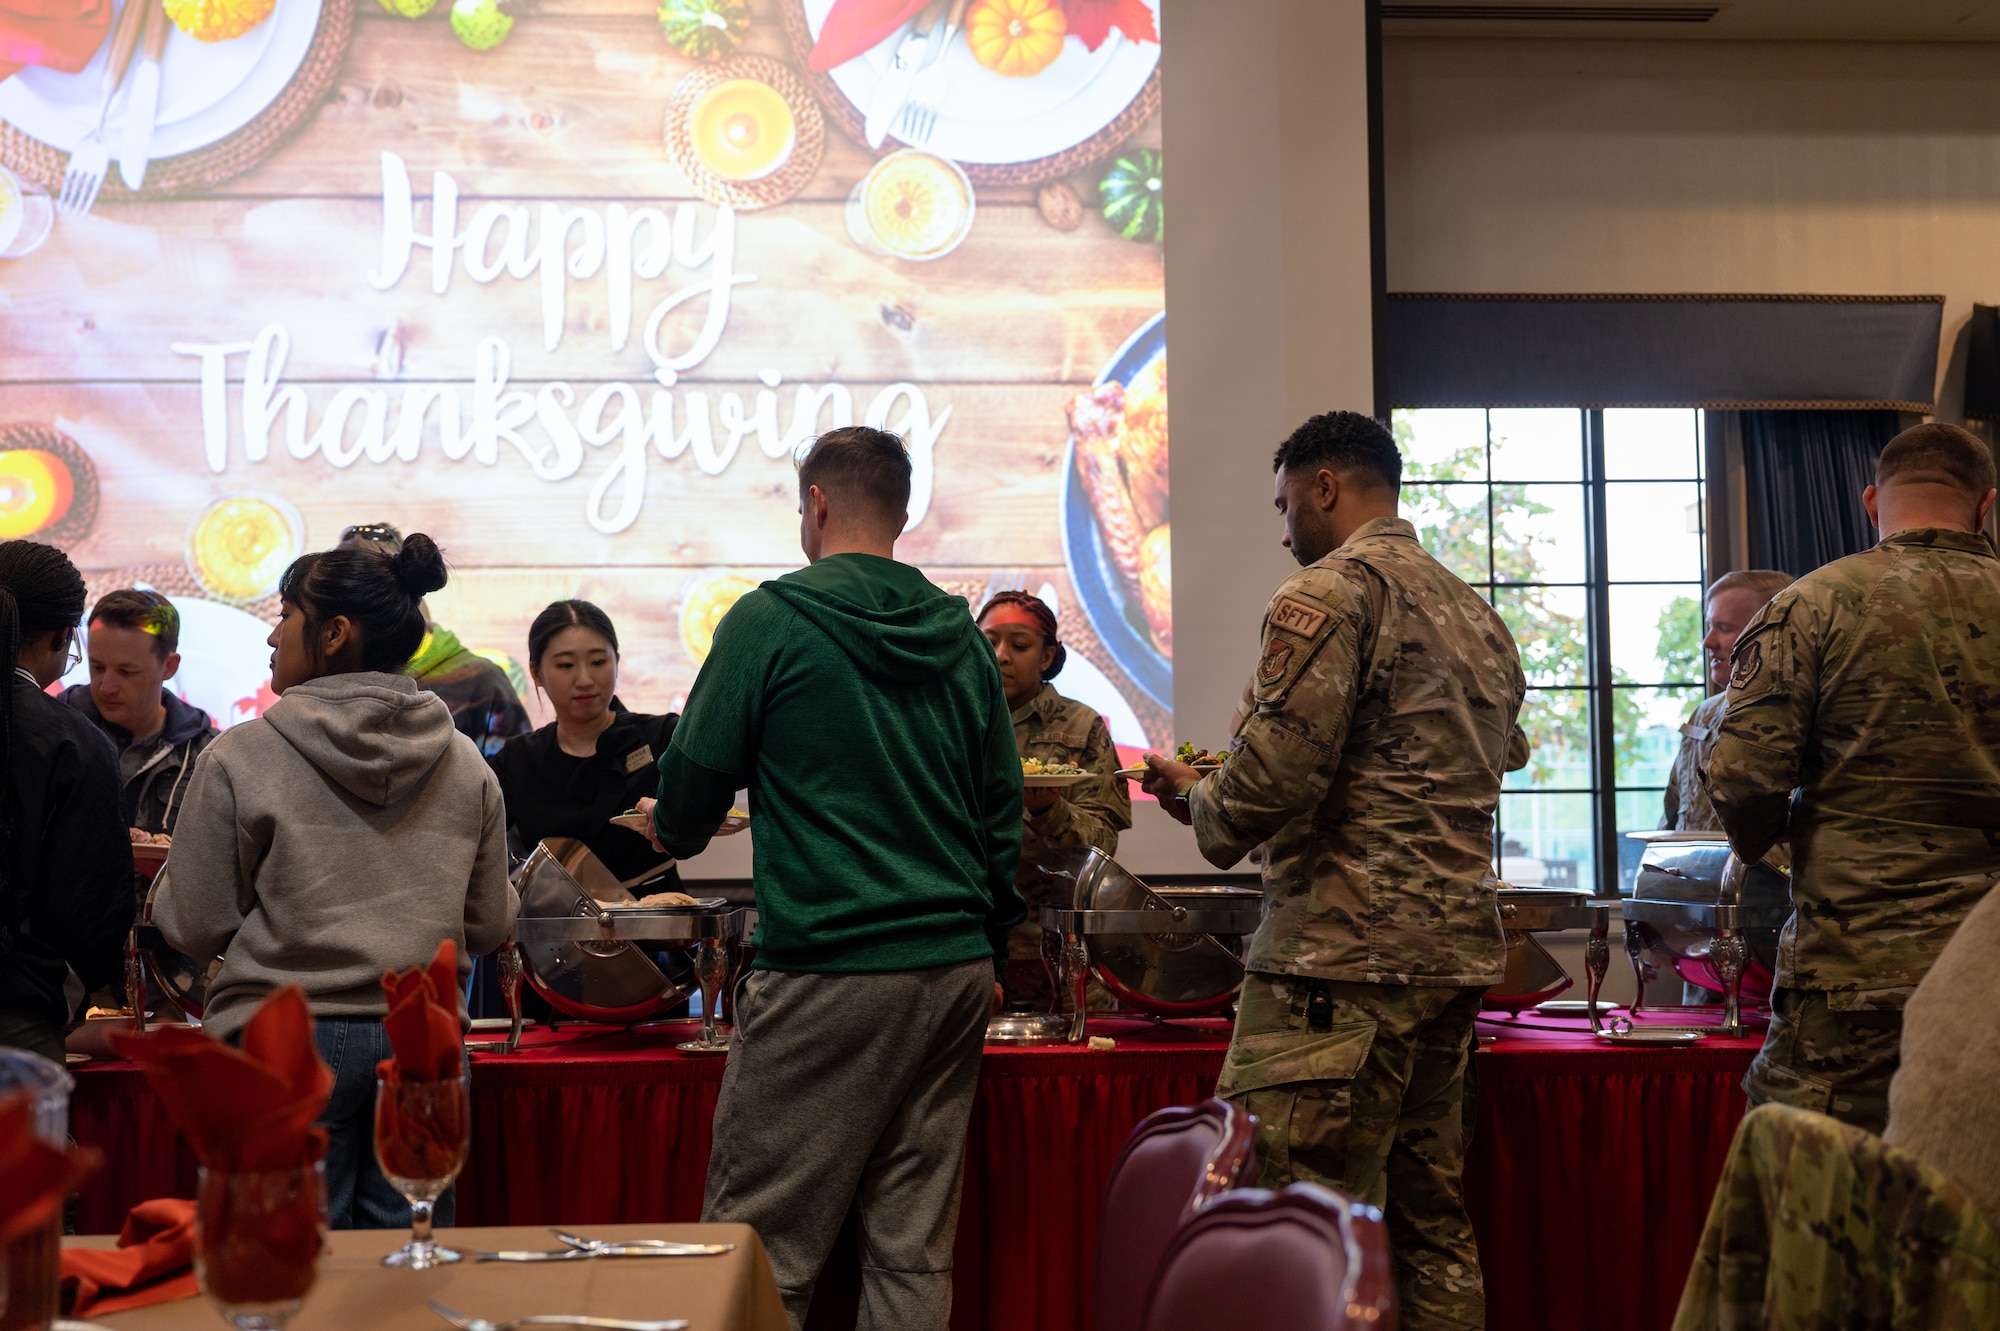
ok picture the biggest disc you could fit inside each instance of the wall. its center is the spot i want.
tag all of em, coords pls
(1690, 166)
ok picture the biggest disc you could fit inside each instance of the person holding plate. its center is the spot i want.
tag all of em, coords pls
(595, 760)
(1054, 729)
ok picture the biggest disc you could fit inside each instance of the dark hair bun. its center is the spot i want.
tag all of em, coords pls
(420, 565)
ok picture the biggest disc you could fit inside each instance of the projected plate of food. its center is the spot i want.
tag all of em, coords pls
(1020, 80)
(209, 88)
(1116, 541)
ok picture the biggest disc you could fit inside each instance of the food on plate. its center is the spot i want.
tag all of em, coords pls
(1120, 433)
(742, 129)
(409, 8)
(667, 899)
(218, 20)
(36, 491)
(1134, 195)
(915, 205)
(1042, 767)
(1059, 206)
(1017, 38)
(141, 837)
(241, 544)
(480, 24)
(704, 29)
(1194, 757)
(702, 607)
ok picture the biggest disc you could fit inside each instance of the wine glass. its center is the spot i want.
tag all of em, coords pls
(422, 1131)
(711, 969)
(257, 1241)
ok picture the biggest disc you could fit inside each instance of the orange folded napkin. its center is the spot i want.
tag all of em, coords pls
(423, 1030)
(153, 1263)
(34, 1176)
(855, 26)
(61, 34)
(241, 1109)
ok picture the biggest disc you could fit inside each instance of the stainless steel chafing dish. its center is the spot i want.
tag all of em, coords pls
(1168, 951)
(1712, 918)
(577, 942)
(1533, 976)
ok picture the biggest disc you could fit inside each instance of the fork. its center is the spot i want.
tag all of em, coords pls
(84, 176)
(920, 112)
(1000, 581)
(638, 1247)
(464, 1323)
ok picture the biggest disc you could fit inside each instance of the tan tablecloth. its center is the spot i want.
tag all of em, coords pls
(731, 1292)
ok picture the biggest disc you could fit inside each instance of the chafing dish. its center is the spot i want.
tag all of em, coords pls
(1167, 951)
(1533, 976)
(1027, 1028)
(181, 978)
(577, 942)
(1712, 918)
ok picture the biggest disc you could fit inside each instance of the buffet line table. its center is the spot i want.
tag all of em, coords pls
(1588, 1182)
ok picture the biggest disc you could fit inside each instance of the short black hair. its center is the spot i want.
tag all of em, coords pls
(865, 466)
(1937, 454)
(138, 608)
(1346, 442)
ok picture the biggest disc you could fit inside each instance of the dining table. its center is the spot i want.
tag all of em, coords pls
(730, 1291)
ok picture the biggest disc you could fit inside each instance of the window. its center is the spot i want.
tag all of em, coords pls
(1586, 531)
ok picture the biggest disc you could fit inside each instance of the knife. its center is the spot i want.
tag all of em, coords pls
(142, 106)
(894, 89)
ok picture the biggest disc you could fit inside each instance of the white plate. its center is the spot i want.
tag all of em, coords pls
(208, 90)
(1054, 780)
(989, 117)
(1655, 1039)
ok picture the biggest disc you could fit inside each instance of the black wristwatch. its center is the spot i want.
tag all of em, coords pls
(1177, 809)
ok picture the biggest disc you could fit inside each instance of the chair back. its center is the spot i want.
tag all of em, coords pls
(1173, 1164)
(1304, 1258)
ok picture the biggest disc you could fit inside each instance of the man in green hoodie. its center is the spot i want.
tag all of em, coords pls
(863, 709)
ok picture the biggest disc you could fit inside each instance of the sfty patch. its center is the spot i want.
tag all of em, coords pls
(1296, 617)
(1276, 657)
(1746, 664)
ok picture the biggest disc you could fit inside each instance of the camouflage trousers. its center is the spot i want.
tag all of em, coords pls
(1830, 1053)
(1368, 1094)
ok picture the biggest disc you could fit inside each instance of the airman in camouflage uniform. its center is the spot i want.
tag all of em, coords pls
(1816, 1225)
(1367, 763)
(1864, 720)
(1731, 602)
(1089, 813)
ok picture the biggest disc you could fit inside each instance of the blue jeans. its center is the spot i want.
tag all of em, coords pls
(357, 1196)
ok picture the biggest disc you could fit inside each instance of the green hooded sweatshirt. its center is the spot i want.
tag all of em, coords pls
(862, 708)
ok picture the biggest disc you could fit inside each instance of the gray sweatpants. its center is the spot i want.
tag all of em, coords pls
(852, 1089)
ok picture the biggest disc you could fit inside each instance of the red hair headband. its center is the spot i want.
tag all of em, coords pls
(1012, 612)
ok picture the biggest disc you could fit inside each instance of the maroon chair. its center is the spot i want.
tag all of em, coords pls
(1304, 1258)
(1173, 1164)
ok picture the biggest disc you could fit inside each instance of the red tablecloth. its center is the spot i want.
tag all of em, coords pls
(1589, 1178)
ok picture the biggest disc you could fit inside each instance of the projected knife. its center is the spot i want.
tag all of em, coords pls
(142, 107)
(894, 89)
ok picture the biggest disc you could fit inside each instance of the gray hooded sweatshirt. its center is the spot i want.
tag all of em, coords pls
(340, 835)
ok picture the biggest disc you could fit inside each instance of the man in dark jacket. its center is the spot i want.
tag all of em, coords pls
(133, 650)
(66, 898)
(863, 709)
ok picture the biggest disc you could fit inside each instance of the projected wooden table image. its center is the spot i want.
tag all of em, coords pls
(489, 295)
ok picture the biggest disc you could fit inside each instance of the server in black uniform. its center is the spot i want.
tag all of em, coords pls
(595, 760)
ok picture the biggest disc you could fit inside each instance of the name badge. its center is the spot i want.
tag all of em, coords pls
(638, 758)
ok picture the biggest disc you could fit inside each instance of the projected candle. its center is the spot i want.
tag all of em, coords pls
(742, 129)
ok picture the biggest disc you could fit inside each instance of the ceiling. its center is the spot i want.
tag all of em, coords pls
(1709, 20)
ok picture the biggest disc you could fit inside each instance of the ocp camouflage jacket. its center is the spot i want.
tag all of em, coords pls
(1871, 688)
(1367, 760)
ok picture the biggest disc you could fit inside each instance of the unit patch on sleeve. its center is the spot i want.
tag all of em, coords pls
(1746, 664)
(1276, 657)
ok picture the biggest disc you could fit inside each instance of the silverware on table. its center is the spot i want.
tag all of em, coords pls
(85, 174)
(920, 111)
(142, 104)
(558, 1255)
(639, 1247)
(894, 89)
(464, 1323)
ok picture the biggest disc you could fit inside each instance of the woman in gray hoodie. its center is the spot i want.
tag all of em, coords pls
(342, 834)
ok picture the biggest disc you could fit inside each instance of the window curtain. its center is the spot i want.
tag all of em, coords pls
(1805, 471)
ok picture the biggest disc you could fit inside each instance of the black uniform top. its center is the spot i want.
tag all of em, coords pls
(552, 793)
(70, 901)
